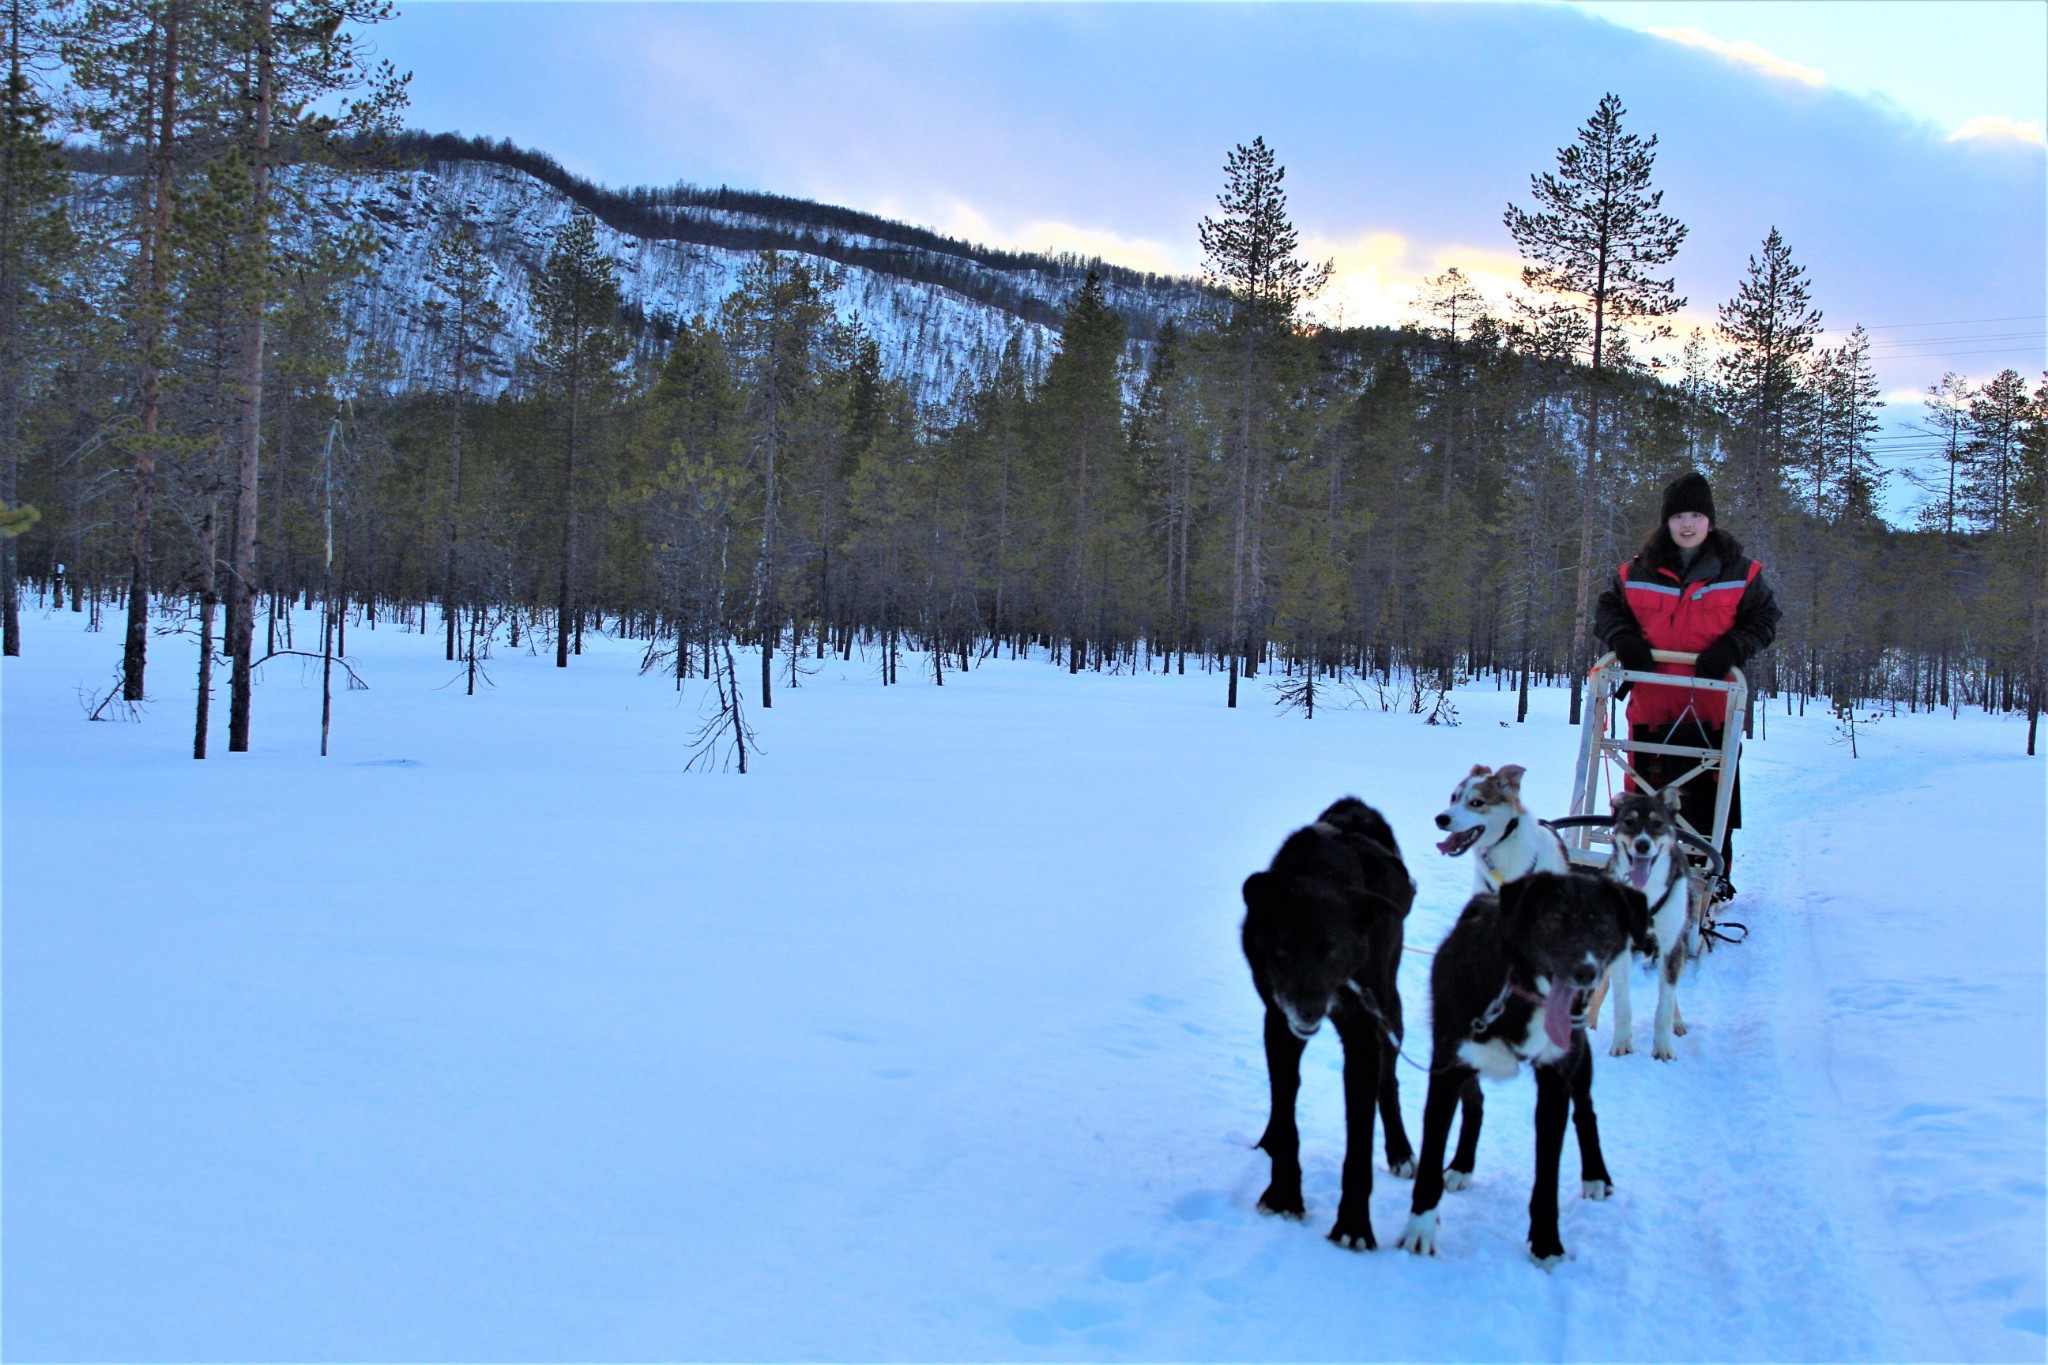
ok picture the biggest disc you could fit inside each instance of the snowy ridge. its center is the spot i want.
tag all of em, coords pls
(930, 337)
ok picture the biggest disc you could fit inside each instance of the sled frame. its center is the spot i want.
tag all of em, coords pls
(1605, 766)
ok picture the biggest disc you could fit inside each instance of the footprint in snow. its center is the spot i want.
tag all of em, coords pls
(1135, 1265)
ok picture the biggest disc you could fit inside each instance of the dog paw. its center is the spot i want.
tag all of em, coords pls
(1420, 1234)
(1353, 1234)
(1548, 1259)
(1455, 1179)
(1287, 1203)
(1679, 1028)
(1596, 1189)
(1664, 1052)
(1403, 1170)
(1622, 1046)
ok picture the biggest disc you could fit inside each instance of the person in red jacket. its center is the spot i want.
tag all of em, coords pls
(1690, 589)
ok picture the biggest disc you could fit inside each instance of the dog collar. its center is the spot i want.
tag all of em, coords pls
(1494, 875)
(1500, 1002)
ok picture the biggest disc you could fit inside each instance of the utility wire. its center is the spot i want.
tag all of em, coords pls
(1954, 322)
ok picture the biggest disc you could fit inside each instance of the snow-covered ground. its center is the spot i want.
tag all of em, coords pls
(498, 1035)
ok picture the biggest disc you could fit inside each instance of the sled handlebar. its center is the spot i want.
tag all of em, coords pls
(1666, 656)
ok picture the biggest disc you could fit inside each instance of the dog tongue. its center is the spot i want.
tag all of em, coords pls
(1557, 1014)
(1447, 846)
(1639, 872)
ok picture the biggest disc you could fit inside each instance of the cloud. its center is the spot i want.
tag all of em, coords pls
(1376, 275)
(962, 220)
(1999, 128)
(1744, 53)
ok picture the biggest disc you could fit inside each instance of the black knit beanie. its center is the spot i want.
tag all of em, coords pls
(1688, 493)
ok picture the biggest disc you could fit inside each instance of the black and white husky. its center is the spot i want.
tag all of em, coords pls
(1648, 856)
(1511, 984)
(1487, 818)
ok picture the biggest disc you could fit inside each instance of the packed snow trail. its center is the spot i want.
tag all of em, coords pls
(496, 1035)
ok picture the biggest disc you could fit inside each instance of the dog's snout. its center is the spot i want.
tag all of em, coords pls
(1584, 975)
(1644, 846)
(1443, 820)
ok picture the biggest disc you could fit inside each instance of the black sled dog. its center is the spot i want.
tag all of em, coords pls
(1322, 932)
(1510, 985)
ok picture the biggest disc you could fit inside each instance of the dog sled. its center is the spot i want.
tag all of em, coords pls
(1606, 765)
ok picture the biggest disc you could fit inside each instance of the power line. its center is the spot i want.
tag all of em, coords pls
(1937, 355)
(1963, 340)
(1953, 322)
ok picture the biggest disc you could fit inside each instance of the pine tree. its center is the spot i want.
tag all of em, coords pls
(778, 327)
(1250, 252)
(2030, 549)
(1599, 234)
(1170, 444)
(691, 478)
(1449, 302)
(576, 299)
(133, 64)
(1250, 255)
(1995, 423)
(296, 60)
(35, 241)
(1840, 474)
(1767, 330)
(469, 320)
(1947, 408)
(1080, 423)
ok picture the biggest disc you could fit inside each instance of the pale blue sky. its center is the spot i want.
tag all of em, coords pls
(1405, 129)
(1947, 62)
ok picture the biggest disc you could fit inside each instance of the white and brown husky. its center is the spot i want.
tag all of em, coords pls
(1647, 856)
(1486, 818)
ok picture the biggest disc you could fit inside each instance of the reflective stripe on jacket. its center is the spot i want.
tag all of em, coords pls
(1722, 597)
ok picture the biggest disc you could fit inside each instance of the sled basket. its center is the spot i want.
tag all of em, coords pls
(1606, 766)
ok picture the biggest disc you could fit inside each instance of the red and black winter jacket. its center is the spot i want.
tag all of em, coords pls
(1721, 598)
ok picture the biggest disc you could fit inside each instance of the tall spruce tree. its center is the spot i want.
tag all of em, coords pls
(1599, 236)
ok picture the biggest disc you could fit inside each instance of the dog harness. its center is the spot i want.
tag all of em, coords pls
(1496, 878)
(1684, 617)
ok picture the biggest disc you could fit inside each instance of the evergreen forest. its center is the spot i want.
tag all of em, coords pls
(192, 440)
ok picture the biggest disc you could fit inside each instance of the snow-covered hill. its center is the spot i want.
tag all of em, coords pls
(940, 310)
(930, 334)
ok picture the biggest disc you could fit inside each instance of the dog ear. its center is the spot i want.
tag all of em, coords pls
(1632, 912)
(1255, 887)
(1510, 777)
(1479, 770)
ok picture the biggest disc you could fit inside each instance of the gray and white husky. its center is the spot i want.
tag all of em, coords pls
(1647, 856)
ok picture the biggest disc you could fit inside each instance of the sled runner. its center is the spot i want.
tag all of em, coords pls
(1606, 767)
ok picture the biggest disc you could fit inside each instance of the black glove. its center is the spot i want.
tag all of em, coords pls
(1633, 652)
(1715, 660)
